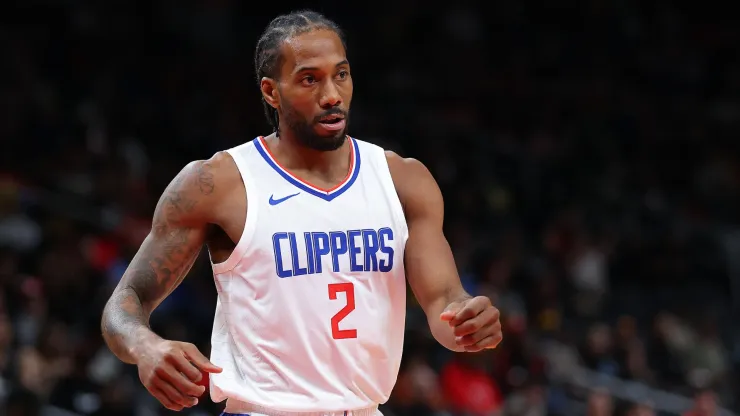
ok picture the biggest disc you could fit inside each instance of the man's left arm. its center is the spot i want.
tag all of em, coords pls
(457, 320)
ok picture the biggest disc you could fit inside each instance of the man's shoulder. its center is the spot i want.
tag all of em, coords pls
(209, 179)
(218, 171)
(405, 168)
(414, 183)
(202, 190)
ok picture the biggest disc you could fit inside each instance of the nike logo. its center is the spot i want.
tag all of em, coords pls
(274, 201)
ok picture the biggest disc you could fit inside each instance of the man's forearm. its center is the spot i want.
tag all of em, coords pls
(441, 329)
(125, 325)
(179, 228)
(161, 264)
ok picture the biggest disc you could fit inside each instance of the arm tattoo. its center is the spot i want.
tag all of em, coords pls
(205, 179)
(163, 261)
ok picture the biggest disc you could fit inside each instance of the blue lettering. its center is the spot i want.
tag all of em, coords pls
(354, 250)
(338, 246)
(320, 249)
(370, 244)
(383, 233)
(309, 252)
(279, 255)
(297, 269)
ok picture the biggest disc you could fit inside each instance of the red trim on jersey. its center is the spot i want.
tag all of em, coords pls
(339, 185)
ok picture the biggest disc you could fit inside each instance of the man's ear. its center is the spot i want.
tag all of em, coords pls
(269, 89)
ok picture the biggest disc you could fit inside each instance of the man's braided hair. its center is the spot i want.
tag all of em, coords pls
(267, 55)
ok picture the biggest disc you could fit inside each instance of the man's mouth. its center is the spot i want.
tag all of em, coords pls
(332, 120)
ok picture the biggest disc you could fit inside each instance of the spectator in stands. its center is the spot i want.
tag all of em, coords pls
(530, 400)
(630, 351)
(598, 350)
(705, 404)
(641, 410)
(599, 403)
(468, 388)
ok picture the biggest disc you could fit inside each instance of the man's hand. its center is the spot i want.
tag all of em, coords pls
(475, 323)
(170, 371)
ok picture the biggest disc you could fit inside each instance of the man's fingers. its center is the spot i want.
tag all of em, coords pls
(162, 397)
(490, 341)
(180, 380)
(470, 310)
(476, 337)
(450, 311)
(194, 355)
(184, 366)
(473, 338)
(474, 323)
(174, 395)
(447, 315)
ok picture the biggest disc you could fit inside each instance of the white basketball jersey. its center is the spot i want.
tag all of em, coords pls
(312, 302)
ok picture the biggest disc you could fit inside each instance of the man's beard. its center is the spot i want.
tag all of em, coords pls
(307, 136)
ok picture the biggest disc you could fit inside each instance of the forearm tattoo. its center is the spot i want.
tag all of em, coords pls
(162, 262)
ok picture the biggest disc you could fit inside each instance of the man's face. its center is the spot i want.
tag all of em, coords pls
(315, 89)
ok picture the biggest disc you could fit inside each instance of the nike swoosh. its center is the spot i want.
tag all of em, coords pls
(277, 201)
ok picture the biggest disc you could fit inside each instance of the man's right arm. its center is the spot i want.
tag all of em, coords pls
(166, 256)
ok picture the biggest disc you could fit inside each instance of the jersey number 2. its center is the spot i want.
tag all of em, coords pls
(349, 290)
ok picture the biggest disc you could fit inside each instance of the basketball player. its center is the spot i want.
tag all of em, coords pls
(312, 235)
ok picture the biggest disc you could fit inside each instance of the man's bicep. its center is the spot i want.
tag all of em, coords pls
(175, 240)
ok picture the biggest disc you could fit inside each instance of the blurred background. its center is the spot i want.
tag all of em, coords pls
(588, 152)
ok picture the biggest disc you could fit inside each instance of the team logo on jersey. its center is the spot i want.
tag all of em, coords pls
(274, 201)
(365, 250)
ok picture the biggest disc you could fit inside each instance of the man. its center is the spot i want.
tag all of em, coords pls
(312, 236)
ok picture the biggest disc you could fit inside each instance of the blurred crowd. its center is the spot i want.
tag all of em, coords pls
(587, 152)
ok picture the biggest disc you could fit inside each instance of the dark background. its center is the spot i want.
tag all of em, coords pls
(587, 151)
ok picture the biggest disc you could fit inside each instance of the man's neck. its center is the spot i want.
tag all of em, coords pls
(294, 156)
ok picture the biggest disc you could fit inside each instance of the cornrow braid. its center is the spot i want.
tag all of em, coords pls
(267, 56)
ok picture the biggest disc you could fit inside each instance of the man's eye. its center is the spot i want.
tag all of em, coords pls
(308, 80)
